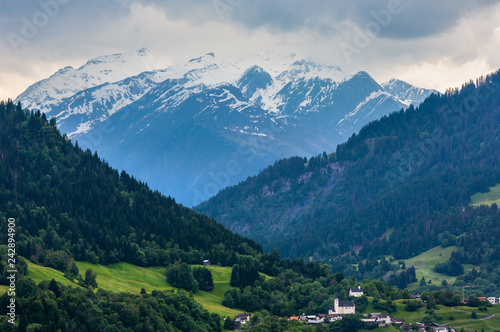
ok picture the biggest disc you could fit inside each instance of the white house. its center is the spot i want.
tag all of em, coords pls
(493, 300)
(439, 328)
(356, 292)
(370, 321)
(384, 320)
(342, 307)
(240, 320)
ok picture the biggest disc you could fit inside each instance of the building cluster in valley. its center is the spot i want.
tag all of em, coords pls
(335, 312)
(341, 308)
(492, 300)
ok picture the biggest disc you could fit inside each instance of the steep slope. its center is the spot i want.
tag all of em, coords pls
(236, 118)
(413, 171)
(68, 199)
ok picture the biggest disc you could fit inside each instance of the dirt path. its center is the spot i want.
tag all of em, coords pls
(466, 321)
(467, 312)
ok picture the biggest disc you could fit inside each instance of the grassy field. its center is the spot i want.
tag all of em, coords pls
(426, 261)
(492, 324)
(443, 315)
(212, 301)
(40, 273)
(387, 234)
(493, 196)
(124, 277)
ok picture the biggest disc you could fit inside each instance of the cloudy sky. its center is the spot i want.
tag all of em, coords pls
(429, 43)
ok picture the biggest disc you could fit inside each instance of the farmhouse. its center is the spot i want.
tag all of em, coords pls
(439, 328)
(356, 292)
(206, 262)
(241, 319)
(382, 320)
(342, 307)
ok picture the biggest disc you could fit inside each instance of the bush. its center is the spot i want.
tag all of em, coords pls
(58, 260)
(180, 276)
(451, 268)
(413, 305)
(387, 305)
(204, 278)
(229, 324)
(244, 274)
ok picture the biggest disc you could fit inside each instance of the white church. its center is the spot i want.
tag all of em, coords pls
(342, 308)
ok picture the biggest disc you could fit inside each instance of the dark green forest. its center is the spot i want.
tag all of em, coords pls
(69, 200)
(51, 306)
(70, 205)
(413, 171)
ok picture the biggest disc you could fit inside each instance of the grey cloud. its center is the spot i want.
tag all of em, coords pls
(417, 19)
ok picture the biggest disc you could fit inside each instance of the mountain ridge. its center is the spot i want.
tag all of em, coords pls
(254, 111)
(413, 171)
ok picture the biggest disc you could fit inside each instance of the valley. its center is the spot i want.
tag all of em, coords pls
(356, 214)
(238, 117)
(258, 166)
(124, 277)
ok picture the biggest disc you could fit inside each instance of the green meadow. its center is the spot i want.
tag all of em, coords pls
(425, 262)
(444, 314)
(492, 196)
(124, 277)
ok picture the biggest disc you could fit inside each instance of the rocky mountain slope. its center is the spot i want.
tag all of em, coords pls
(191, 129)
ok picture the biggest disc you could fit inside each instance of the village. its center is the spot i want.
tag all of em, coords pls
(341, 308)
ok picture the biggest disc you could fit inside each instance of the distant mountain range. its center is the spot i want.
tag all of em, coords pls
(190, 130)
(399, 187)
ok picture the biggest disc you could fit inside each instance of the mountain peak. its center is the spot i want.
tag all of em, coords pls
(207, 57)
(406, 92)
(103, 69)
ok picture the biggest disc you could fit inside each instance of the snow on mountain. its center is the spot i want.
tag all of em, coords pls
(406, 93)
(82, 111)
(286, 70)
(181, 127)
(104, 69)
(286, 67)
(87, 107)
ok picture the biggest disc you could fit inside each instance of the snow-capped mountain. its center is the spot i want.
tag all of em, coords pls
(191, 129)
(405, 92)
(68, 81)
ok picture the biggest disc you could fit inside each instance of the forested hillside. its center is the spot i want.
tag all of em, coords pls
(413, 171)
(66, 199)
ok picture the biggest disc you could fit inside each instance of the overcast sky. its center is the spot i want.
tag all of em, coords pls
(429, 43)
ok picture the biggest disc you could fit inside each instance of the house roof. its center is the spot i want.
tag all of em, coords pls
(328, 316)
(243, 315)
(356, 290)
